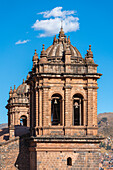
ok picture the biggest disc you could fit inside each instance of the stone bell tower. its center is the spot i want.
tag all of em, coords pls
(63, 108)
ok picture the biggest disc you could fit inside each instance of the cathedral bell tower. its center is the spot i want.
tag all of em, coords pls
(63, 108)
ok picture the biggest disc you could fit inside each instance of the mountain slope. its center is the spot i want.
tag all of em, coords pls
(105, 124)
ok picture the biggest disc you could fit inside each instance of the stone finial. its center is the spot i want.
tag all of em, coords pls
(35, 57)
(11, 91)
(43, 48)
(66, 39)
(54, 40)
(69, 40)
(89, 56)
(14, 89)
(89, 47)
(28, 76)
(23, 81)
(43, 52)
(61, 33)
(89, 53)
(35, 52)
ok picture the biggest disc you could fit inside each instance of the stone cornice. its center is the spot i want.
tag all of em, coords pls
(18, 104)
(65, 139)
(42, 87)
(90, 87)
(67, 87)
(86, 75)
(68, 64)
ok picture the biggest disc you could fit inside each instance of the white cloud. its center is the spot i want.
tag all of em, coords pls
(52, 24)
(22, 42)
(56, 12)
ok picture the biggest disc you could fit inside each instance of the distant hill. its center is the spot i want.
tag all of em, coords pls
(105, 124)
(3, 125)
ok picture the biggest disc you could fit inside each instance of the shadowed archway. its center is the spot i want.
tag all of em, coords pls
(77, 110)
(56, 109)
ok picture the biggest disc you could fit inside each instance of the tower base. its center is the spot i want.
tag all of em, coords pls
(64, 153)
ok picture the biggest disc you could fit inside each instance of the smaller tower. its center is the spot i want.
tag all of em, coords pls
(18, 108)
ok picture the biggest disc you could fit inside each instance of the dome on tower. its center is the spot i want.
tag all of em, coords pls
(23, 88)
(59, 46)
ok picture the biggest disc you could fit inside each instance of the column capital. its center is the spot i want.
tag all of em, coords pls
(67, 87)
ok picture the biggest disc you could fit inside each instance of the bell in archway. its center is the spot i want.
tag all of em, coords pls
(55, 102)
(76, 105)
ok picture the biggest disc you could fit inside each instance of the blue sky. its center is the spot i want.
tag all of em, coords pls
(91, 22)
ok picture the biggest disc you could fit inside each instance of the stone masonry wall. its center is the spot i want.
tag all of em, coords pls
(58, 160)
(54, 155)
(14, 154)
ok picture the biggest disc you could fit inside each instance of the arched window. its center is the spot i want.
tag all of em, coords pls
(69, 161)
(23, 120)
(77, 109)
(56, 107)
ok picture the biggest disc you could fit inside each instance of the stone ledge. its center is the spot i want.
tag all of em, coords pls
(66, 127)
(65, 139)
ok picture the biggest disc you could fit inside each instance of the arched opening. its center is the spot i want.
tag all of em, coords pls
(56, 109)
(77, 110)
(69, 161)
(23, 121)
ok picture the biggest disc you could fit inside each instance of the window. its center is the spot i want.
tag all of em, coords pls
(69, 161)
(56, 107)
(77, 109)
(23, 120)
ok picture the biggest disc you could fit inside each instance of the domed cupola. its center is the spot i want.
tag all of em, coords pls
(23, 88)
(57, 50)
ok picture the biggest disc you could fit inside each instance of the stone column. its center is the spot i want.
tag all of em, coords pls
(90, 107)
(11, 131)
(67, 106)
(95, 106)
(37, 115)
(32, 111)
(90, 111)
(11, 128)
(28, 119)
(85, 112)
(63, 121)
(15, 118)
(45, 104)
(40, 106)
(80, 105)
